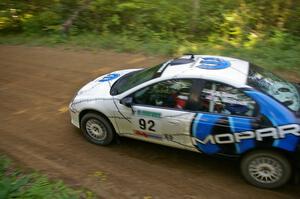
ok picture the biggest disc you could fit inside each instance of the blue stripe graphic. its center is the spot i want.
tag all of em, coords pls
(238, 124)
(278, 115)
(202, 128)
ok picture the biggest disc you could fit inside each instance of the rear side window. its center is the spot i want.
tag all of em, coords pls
(283, 91)
(225, 99)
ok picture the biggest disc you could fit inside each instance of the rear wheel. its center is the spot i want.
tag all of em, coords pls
(97, 129)
(266, 169)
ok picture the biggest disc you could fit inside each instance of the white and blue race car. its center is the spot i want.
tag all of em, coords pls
(207, 104)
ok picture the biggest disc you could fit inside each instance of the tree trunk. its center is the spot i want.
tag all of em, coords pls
(69, 22)
(195, 11)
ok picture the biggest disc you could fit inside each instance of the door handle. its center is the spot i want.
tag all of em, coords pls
(173, 121)
(224, 121)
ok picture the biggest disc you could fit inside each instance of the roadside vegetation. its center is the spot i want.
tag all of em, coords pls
(263, 32)
(14, 183)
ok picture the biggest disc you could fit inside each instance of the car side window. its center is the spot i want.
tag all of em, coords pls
(225, 99)
(169, 94)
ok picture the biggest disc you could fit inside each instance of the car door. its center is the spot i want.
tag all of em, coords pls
(223, 112)
(158, 113)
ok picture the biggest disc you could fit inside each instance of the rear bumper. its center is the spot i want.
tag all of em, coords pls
(297, 151)
(297, 157)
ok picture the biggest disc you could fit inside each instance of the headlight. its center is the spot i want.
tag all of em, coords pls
(71, 105)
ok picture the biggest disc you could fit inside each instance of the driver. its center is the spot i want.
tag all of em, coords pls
(182, 98)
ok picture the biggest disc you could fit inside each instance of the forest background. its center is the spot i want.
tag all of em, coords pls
(262, 31)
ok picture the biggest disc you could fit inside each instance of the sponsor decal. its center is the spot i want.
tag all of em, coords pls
(213, 63)
(148, 113)
(259, 135)
(147, 135)
(109, 77)
(210, 135)
(169, 137)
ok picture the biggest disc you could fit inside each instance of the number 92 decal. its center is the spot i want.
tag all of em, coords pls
(147, 125)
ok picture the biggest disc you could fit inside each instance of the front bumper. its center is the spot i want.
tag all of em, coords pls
(74, 116)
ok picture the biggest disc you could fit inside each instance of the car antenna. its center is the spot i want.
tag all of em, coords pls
(192, 55)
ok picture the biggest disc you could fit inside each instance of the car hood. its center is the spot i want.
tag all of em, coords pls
(100, 87)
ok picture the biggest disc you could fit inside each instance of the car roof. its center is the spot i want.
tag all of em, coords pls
(216, 68)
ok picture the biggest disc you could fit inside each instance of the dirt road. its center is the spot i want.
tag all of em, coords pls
(36, 85)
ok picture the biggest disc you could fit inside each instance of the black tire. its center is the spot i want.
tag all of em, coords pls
(96, 129)
(266, 169)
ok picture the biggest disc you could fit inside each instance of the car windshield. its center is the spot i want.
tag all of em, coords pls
(134, 78)
(283, 91)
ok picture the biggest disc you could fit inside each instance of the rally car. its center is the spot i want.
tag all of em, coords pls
(202, 103)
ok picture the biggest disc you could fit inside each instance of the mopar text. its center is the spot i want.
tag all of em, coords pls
(259, 135)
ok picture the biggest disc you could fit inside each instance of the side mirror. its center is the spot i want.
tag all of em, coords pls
(127, 101)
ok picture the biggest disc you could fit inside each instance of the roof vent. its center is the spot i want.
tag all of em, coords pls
(181, 61)
(213, 63)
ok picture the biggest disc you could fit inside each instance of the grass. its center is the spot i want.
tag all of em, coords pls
(275, 54)
(16, 184)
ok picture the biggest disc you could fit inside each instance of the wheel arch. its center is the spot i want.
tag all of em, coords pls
(287, 154)
(85, 111)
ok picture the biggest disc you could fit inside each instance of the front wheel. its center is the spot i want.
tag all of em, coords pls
(266, 169)
(97, 129)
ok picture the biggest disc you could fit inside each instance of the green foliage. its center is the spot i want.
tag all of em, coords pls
(231, 20)
(279, 52)
(45, 22)
(255, 30)
(15, 184)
